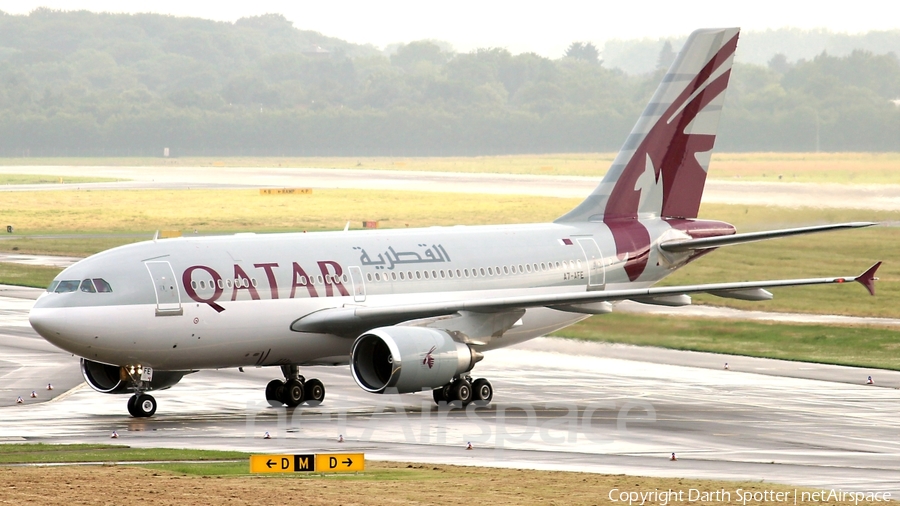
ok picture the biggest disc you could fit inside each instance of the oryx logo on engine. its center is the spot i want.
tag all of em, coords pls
(429, 358)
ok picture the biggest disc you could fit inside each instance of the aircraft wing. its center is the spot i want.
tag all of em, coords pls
(357, 319)
(676, 246)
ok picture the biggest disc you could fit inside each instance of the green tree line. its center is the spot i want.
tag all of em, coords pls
(81, 83)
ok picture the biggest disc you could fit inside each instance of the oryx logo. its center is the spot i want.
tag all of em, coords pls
(429, 359)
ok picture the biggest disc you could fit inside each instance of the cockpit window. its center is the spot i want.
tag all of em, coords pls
(87, 286)
(52, 286)
(67, 286)
(102, 285)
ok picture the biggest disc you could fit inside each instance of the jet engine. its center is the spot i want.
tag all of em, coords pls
(408, 359)
(112, 379)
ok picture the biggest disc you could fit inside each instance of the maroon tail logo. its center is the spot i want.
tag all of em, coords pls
(671, 155)
(429, 358)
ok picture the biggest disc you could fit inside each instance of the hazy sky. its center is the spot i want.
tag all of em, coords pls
(546, 27)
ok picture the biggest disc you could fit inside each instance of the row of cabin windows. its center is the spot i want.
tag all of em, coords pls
(405, 275)
(246, 283)
(224, 283)
(476, 272)
(96, 285)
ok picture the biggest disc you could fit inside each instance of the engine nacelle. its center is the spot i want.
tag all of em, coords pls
(112, 379)
(408, 359)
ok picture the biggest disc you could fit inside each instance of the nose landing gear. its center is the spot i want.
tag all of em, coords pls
(141, 405)
(295, 389)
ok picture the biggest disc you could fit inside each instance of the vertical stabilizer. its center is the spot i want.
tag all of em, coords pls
(661, 169)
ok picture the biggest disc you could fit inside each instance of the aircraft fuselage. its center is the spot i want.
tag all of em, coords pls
(229, 301)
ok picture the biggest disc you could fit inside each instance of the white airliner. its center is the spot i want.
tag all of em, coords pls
(413, 309)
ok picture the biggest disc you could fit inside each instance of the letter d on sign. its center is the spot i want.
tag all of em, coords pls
(332, 463)
(285, 463)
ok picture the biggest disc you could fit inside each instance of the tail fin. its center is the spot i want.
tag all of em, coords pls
(661, 169)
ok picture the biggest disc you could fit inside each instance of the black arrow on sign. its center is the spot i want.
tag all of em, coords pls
(348, 462)
(269, 463)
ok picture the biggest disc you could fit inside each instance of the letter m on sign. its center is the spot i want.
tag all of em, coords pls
(304, 463)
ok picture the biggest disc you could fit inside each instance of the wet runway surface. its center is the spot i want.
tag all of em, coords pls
(558, 404)
(876, 197)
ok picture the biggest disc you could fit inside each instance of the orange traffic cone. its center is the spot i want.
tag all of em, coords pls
(673, 458)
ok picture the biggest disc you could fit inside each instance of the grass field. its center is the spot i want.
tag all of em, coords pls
(32, 453)
(6, 179)
(847, 168)
(124, 211)
(876, 347)
(27, 275)
(381, 483)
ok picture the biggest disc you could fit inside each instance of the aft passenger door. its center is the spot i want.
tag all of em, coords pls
(594, 258)
(168, 297)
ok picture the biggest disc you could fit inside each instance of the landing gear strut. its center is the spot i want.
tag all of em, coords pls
(463, 391)
(141, 405)
(295, 389)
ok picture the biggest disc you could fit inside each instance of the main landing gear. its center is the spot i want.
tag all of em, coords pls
(295, 389)
(463, 391)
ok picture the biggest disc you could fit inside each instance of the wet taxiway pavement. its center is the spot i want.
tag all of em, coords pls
(558, 404)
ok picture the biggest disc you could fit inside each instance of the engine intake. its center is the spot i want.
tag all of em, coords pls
(112, 379)
(408, 359)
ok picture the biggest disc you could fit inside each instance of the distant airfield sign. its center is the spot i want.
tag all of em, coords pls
(308, 463)
(285, 191)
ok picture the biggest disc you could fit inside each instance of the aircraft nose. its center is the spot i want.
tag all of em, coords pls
(50, 323)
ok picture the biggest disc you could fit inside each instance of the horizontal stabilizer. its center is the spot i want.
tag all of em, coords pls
(730, 240)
